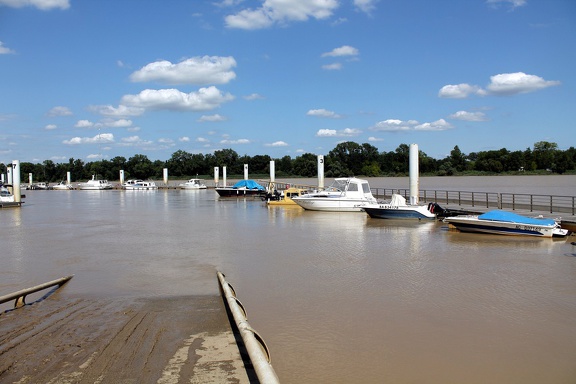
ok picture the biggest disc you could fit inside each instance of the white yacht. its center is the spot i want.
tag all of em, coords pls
(345, 194)
(193, 184)
(95, 184)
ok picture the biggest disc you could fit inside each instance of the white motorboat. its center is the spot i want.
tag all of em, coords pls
(193, 184)
(507, 223)
(137, 184)
(95, 185)
(345, 194)
(5, 195)
(62, 186)
(398, 209)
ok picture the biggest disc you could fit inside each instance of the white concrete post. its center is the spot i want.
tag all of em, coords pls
(272, 171)
(320, 171)
(245, 171)
(414, 177)
(216, 175)
(16, 181)
(224, 176)
(121, 176)
(165, 172)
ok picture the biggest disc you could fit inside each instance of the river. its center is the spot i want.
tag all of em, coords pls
(338, 297)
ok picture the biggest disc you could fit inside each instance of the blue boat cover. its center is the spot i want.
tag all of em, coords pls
(250, 184)
(498, 215)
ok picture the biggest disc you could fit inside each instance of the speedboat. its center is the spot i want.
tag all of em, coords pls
(62, 186)
(398, 209)
(345, 194)
(507, 223)
(193, 184)
(137, 184)
(285, 197)
(241, 189)
(95, 184)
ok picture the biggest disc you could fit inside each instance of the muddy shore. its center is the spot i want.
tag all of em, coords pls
(65, 339)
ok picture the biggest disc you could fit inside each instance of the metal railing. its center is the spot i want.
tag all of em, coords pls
(513, 201)
(20, 296)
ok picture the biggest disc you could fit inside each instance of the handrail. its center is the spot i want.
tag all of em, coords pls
(257, 349)
(20, 296)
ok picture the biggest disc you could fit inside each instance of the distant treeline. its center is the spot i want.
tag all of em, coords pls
(346, 159)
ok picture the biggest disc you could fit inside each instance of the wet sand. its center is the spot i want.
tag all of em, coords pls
(63, 339)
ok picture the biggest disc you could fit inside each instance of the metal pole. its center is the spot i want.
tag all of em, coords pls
(257, 350)
(20, 296)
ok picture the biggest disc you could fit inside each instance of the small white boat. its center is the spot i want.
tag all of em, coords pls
(507, 223)
(95, 185)
(62, 186)
(137, 184)
(398, 209)
(193, 184)
(5, 195)
(345, 194)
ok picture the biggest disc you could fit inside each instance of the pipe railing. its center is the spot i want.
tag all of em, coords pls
(514, 201)
(257, 349)
(20, 296)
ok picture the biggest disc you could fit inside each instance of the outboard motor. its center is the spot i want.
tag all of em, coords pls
(435, 208)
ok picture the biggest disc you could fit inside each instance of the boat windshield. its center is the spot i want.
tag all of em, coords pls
(366, 188)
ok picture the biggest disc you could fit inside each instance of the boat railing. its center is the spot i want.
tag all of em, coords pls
(495, 200)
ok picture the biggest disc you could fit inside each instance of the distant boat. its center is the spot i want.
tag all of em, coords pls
(241, 189)
(285, 197)
(137, 184)
(193, 184)
(5, 195)
(398, 209)
(345, 194)
(95, 184)
(61, 186)
(507, 223)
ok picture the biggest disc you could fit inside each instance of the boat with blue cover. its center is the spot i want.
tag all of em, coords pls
(507, 223)
(242, 188)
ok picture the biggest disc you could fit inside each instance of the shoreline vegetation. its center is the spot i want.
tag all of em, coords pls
(346, 159)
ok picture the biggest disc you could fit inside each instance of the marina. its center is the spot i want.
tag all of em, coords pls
(338, 297)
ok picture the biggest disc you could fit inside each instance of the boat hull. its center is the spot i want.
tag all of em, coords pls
(330, 204)
(475, 225)
(238, 192)
(399, 212)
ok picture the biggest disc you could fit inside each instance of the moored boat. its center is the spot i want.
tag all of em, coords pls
(193, 184)
(95, 184)
(398, 209)
(241, 189)
(345, 194)
(5, 195)
(285, 197)
(507, 223)
(137, 184)
(61, 186)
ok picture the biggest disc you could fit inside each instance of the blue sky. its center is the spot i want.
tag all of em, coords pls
(89, 79)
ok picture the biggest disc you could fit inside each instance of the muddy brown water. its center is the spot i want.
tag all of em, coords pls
(338, 297)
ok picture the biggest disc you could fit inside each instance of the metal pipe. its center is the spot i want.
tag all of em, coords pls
(257, 349)
(20, 296)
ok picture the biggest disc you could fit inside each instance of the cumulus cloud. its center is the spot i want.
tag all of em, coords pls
(366, 6)
(50, 127)
(134, 141)
(196, 70)
(277, 144)
(394, 125)
(323, 113)
(43, 5)
(59, 111)
(512, 3)
(184, 139)
(204, 99)
(122, 123)
(438, 125)
(468, 116)
(344, 50)
(98, 139)
(253, 96)
(519, 82)
(281, 12)
(202, 140)
(120, 111)
(84, 124)
(239, 141)
(460, 91)
(5, 50)
(211, 118)
(332, 67)
(347, 132)
(372, 138)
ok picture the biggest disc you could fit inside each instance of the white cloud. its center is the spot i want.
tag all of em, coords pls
(40, 4)
(372, 138)
(184, 139)
(344, 50)
(253, 96)
(59, 111)
(84, 124)
(212, 118)
(4, 50)
(277, 144)
(366, 6)
(204, 99)
(133, 141)
(347, 132)
(50, 127)
(513, 3)
(519, 82)
(460, 91)
(121, 111)
(165, 141)
(202, 140)
(239, 141)
(122, 123)
(438, 125)
(323, 113)
(332, 67)
(280, 12)
(203, 70)
(98, 139)
(394, 125)
(468, 116)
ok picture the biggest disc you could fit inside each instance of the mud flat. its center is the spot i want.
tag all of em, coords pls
(149, 340)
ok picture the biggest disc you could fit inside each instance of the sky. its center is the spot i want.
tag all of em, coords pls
(94, 80)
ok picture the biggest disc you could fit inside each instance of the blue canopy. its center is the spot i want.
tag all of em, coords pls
(249, 184)
(498, 215)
